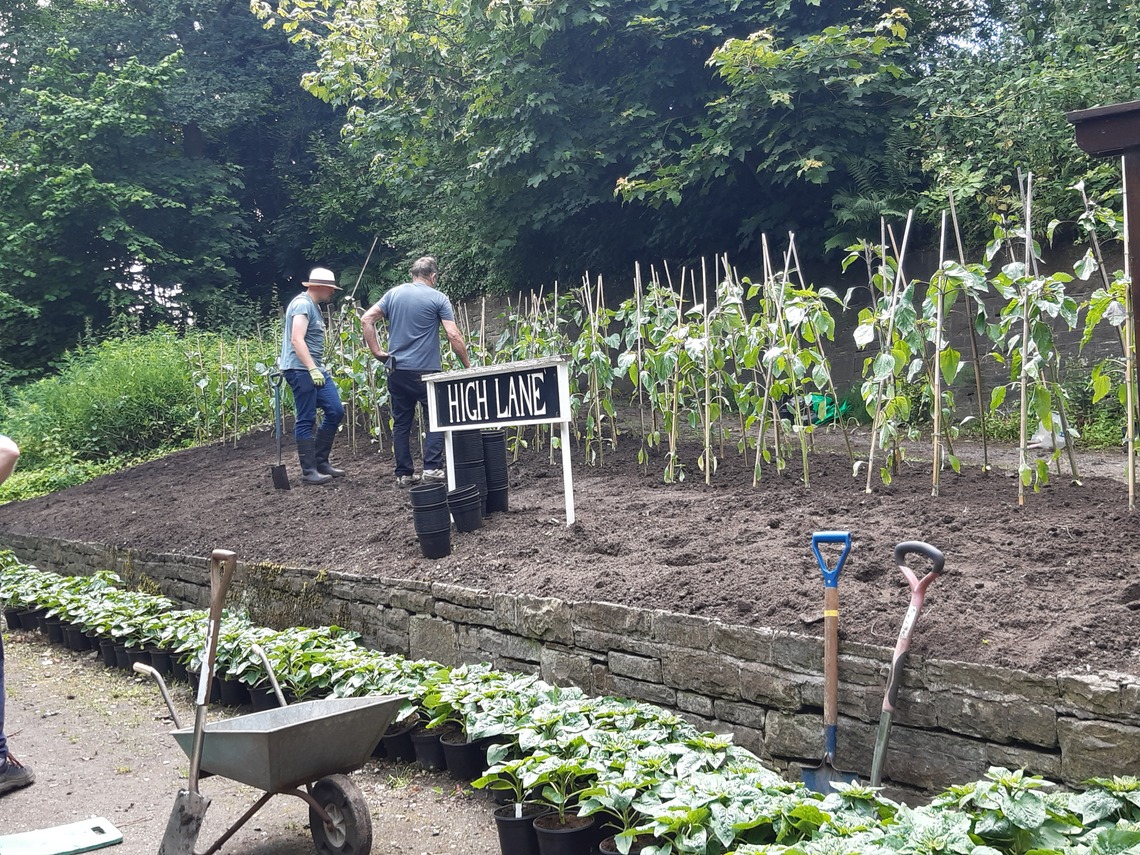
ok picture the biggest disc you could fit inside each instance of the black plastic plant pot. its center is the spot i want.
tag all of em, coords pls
(54, 629)
(516, 828)
(435, 544)
(497, 501)
(397, 741)
(467, 446)
(466, 761)
(468, 515)
(459, 494)
(12, 618)
(426, 495)
(107, 650)
(429, 750)
(431, 519)
(575, 837)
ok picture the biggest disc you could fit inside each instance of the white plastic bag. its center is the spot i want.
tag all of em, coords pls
(1042, 439)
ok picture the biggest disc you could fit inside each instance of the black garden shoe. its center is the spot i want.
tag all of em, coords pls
(14, 774)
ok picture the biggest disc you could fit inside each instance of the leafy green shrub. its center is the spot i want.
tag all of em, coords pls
(121, 396)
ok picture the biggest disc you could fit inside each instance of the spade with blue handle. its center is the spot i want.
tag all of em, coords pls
(821, 777)
(894, 676)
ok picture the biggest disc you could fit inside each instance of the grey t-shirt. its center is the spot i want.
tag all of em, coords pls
(414, 312)
(303, 304)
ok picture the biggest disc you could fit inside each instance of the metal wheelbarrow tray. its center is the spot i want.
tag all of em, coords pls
(283, 748)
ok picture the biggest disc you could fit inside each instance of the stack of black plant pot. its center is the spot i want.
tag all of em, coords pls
(466, 507)
(467, 447)
(432, 519)
(495, 469)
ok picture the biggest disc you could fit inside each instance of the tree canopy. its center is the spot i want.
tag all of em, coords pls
(168, 161)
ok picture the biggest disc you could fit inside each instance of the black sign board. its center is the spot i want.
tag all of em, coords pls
(496, 396)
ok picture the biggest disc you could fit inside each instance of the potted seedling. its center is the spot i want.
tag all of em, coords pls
(614, 800)
(560, 780)
(514, 821)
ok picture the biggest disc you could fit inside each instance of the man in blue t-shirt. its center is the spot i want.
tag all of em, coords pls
(414, 311)
(302, 349)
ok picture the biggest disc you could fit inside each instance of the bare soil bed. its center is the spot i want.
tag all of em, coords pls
(1048, 586)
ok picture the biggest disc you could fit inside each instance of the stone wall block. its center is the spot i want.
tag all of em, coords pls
(607, 642)
(1036, 762)
(463, 614)
(928, 760)
(653, 693)
(997, 718)
(567, 668)
(435, 639)
(748, 644)
(736, 713)
(707, 673)
(498, 645)
(1097, 749)
(770, 687)
(679, 630)
(793, 734)
(944, 675)
(644, 668)
(545, 618)
(1097, 695)
(800, 653)
(417, 602)
(690, 702)
(612, 619)
(472, 598)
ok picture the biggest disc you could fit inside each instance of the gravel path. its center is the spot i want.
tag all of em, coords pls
(99, 742)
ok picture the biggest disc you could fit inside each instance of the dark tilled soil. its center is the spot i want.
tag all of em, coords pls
(1048, 586)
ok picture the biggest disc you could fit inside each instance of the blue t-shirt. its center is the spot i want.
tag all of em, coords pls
(303, 304)
(414, 312)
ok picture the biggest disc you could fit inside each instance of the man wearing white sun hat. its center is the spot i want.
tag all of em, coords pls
(302, 349)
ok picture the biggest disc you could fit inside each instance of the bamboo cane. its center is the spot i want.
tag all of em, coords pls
(937, 284)
(981, 403)
(638, 363)
(819, 343)
(1024, 379)
(705, 354)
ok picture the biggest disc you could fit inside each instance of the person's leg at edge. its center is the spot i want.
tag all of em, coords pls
(3, 741)
(13, 774)
(305, 403)
(328, 399)
(433, 440)
(403, 398)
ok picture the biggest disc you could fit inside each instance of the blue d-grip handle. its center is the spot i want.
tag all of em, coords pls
(831, 575)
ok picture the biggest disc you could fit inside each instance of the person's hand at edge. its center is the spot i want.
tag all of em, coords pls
(318, 377)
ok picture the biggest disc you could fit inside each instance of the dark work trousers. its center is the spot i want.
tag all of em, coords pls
(406, 389)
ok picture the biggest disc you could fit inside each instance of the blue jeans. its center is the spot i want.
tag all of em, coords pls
(307, 397)
(406, 389)
(3, 741)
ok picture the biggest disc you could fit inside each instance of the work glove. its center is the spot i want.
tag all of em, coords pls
(318, 377)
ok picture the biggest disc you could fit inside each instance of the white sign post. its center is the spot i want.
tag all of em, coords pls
(534, 391)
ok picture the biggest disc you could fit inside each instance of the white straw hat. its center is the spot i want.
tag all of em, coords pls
(321, 276)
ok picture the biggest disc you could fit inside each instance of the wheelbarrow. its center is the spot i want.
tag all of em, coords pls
(305, 750)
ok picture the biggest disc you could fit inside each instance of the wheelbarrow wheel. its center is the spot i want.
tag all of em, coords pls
(350, 832)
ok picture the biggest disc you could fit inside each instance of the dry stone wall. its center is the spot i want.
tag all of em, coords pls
(953, 720)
